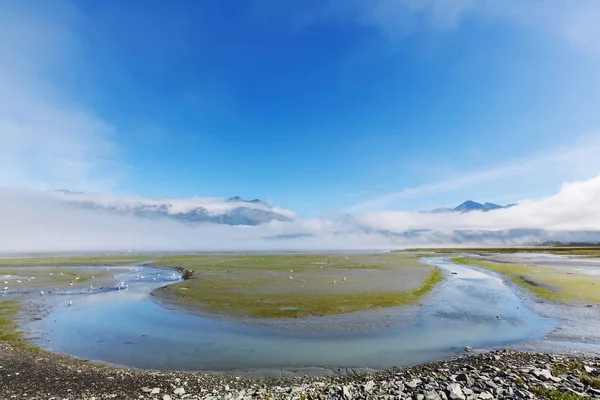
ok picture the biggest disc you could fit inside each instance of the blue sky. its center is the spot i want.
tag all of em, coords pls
(317, 106)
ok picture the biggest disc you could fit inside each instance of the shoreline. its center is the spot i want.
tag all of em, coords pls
(27, 374)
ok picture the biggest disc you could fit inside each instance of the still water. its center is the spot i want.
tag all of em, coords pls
(127, 327)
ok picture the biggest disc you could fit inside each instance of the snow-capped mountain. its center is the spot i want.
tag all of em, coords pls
(470, 205)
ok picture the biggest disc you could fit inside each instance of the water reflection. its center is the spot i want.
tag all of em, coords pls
(126, 327)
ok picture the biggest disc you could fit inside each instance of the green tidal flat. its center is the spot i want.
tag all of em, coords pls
(581, 251)
(8, 326)
(559, 284)
(256, 285)
(293, 286)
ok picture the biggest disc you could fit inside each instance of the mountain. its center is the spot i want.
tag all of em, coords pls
(468, 206)
(232, 211)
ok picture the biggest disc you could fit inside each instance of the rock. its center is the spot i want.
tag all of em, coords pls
(413, 384)
(464, 378)
(569, 390)
(542, 374)
(179, 391)
(455, 392)
(419, 397)
(521, 394)
(166, 397)
(468, 348)
(146, 389)
(155, 391)
(491, 384)
(432, 395)
(347, 393)
(485, 396)
(589, 370)
(368, 387)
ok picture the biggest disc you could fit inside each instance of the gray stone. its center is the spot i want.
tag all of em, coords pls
(419, 397)
(432, 395)
(414, 383)
(455, 392)
(588, 369)
(166, 397)
(542, 374)
(155, 391)
(464, 378)
(179, 391)
(485, 396)
(347, 393)
(369, 386)
(146, 389)
(491, 384)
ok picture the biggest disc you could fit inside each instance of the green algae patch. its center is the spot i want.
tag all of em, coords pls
(559, 284)
(295, 286)
(8, 326)
(555, 394)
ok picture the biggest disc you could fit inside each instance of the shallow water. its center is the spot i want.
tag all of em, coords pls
(126, 327)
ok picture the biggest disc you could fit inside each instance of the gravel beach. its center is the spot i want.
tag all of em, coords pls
(29, 374)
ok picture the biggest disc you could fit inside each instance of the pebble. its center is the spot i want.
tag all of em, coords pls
(496, 375)
(455, 392)
(179, 391)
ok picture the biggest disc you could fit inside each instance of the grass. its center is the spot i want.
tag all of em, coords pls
(564, 250)
(554, 394)
(563, 369)
(590, 381)
(63, 261)
(8, 326)
(260, 286)
(555, 284)
(47, 278)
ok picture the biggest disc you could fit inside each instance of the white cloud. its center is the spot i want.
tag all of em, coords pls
(212, 205)
(575, 208)
(576, 22)
(47, 141)
(575, 162)
(38, 222)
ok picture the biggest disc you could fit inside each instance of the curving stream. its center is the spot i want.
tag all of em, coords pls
(126, 327)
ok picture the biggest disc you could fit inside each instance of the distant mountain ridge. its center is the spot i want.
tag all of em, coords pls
(469, 206)
(231, 211)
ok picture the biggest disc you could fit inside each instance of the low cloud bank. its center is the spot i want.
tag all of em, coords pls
(576, 207)
(42, 222)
